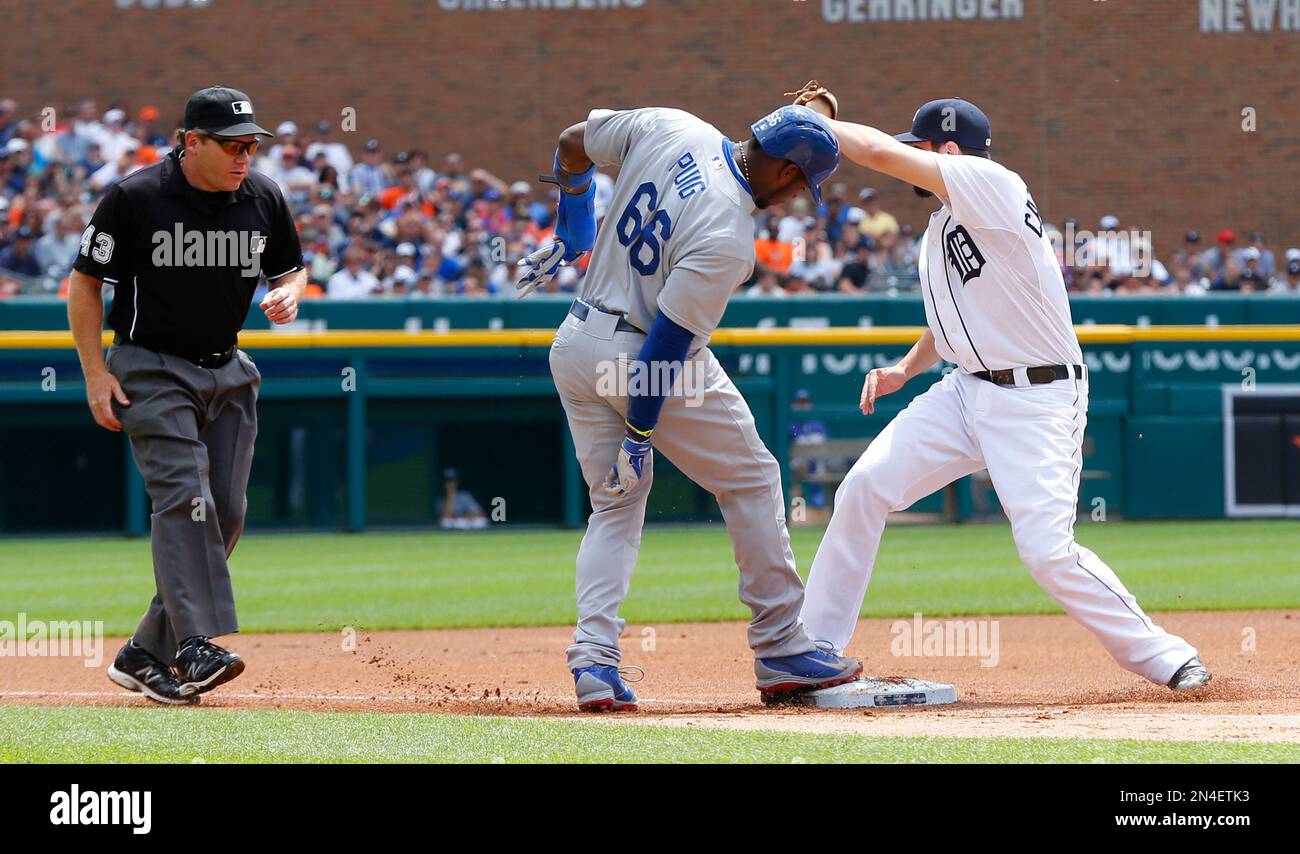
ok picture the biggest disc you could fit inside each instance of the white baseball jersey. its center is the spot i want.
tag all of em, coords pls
(995, 300)
(678, 236)
(993, 292)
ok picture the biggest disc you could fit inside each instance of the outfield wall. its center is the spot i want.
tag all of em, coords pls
(357, 426)
(813, 312)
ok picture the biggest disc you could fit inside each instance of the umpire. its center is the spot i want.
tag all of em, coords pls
(184, 243)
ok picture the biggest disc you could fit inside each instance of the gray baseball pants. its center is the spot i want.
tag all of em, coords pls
(192, 431)
(708, 432)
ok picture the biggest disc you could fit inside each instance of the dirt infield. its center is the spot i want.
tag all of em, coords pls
(1051, 679)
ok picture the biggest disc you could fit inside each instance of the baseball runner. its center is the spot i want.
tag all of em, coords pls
(677, 242)
(1017, 403)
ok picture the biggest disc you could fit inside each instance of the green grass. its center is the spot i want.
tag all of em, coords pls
(510, 577)
(87, 735)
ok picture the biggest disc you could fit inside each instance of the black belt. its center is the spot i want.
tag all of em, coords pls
(1036, 376)
(580, 310)
(205, 360)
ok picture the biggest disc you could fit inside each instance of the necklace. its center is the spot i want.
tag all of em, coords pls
(744, 162)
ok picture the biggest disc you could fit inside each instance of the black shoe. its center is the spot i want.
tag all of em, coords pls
(136, 670)
(202, 665)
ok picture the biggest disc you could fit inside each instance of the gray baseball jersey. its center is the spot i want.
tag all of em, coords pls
(993, 291)
(678, 236)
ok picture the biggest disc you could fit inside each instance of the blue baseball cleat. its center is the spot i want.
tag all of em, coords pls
(778, 678)
(601, 688)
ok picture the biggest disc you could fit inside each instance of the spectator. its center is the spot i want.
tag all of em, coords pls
(19, 256)
(85, 130)
(768, 285)
(818, 265)
(1252, 281)
(1193, 250)
(1267, 264)
(19, 158)
(8, 120)
(354, 281)
(1182, 276)
(326, 229)
(368, 178)
(792, 227)
(856, 272)
(1252, 278)
(336, 153)
(458, 231)
(835, 211)
(457, 508)
(796, 286)
(114, 141)
(426, 286)
(908, 250)
(56, 250)
(773, 254)
(1214, 259)
(296, 181)
(453, 169)
(1288, 282)
(286, 135)
(1230, 277)
(875, 222)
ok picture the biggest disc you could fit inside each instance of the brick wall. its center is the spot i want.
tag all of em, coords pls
(1104, 106)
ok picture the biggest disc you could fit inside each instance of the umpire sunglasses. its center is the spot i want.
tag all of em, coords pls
(233, 147)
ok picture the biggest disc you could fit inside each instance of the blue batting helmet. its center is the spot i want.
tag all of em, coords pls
(800, 135)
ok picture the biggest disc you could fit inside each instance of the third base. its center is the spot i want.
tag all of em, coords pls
(880, 692)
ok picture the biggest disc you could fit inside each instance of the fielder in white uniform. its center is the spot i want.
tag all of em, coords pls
(676, 242)
(1016, 404)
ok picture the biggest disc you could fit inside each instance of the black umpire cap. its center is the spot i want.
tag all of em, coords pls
(950, 119)
(222, 112)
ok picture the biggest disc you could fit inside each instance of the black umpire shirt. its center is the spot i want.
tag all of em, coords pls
(184, 263)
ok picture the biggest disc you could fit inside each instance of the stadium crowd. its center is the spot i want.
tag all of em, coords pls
(400, 224)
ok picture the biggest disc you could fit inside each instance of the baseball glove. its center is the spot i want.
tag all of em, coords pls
(817, 97)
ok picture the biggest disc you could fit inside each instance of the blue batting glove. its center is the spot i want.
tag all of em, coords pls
(629, 466)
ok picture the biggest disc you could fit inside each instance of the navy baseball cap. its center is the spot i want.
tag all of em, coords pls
(222, 112)
(950, 119)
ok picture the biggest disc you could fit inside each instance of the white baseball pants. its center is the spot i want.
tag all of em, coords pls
(1030, 438)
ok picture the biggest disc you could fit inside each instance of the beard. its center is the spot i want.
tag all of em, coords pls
(925, 194)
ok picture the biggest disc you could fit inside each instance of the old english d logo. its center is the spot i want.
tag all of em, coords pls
(963, 254)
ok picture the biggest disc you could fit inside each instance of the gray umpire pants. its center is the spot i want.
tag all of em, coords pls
(708, 432)
(192, 431)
